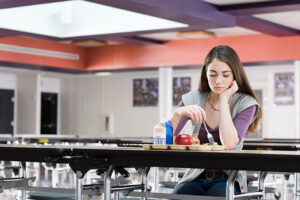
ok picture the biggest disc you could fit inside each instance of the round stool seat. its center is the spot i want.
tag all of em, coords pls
(50, 196)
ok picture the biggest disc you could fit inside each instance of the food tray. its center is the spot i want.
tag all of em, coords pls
(179, 147)
(156, 146)
(184, 147)
(200, 148)
(218, 148)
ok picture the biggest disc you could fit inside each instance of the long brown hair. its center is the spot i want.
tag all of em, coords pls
(227, 55)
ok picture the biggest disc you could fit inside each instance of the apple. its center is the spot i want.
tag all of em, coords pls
(184, 139)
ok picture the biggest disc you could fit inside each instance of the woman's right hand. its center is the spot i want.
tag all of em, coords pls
(194, 112)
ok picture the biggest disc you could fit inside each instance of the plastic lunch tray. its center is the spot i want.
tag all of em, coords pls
(184, 147)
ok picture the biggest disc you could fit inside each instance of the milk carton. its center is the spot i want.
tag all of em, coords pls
(162, 134)
(159, 134)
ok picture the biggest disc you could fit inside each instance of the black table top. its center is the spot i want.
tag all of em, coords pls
(271, 146)
(121, 141)
(94, 156)
(272, 140)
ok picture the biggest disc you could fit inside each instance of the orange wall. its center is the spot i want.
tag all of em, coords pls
(251, 48)
(42, 60)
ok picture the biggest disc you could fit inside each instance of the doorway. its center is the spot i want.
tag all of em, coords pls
(49, 113)
(6, 111)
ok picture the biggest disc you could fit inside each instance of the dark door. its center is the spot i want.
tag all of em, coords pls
(49, 113)
(6, 111)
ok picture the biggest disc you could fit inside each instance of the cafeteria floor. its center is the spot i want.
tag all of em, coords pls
(285, 187)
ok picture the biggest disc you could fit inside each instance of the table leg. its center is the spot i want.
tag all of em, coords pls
(261, 183)
(116, 193)
(78, 190)
(230, 185)
(145, 180)
(156, 178)
(107, 183)
(297, 191)
(23, 164)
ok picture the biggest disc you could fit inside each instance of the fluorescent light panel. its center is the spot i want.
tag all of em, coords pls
(79, 18)
(103, 73)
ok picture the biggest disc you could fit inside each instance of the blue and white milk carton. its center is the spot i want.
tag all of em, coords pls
(162, 134)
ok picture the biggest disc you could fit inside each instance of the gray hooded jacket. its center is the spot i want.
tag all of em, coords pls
(239, 102)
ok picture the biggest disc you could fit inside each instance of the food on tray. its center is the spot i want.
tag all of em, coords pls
(193, 147)
(196, 140)
(215, 144)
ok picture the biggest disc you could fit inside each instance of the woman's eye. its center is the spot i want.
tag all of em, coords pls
(212, 75)
(226, 76)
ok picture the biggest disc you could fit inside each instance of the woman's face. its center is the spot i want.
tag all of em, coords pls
(219, 76)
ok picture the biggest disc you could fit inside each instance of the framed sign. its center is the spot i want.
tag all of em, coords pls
(284, 88)
(181, 85)
(145, 92)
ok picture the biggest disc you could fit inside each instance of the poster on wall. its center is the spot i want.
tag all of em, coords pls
(284, 88)
(145, 92)
(181, 85)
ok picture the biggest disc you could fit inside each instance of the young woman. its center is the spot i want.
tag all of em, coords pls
(228, 105)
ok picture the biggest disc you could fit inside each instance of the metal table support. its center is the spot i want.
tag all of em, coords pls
(23, 164)
(297, 191)
(107, 183)
(145, 180)
(78, 190)
(116, 193)
(261, 183)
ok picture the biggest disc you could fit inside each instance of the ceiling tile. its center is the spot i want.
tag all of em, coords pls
(289, 19)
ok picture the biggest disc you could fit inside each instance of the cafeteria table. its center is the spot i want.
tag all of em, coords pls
(272, 140)
(84, 158)
(119, 141)
(271, 146)
(276, 144)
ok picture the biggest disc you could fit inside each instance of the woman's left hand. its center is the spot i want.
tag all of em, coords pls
(230, 91)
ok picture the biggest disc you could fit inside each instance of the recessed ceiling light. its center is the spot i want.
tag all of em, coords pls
(103, 73)
(79, 18)
(196, 34)
(89, 43)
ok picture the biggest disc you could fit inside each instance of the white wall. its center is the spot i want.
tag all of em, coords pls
(116, 98)
(68, 116)
(279, 121)
(26, 112)
(129, 121)
(86, 99)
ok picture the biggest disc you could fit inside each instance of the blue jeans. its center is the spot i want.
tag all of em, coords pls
(205, 187)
